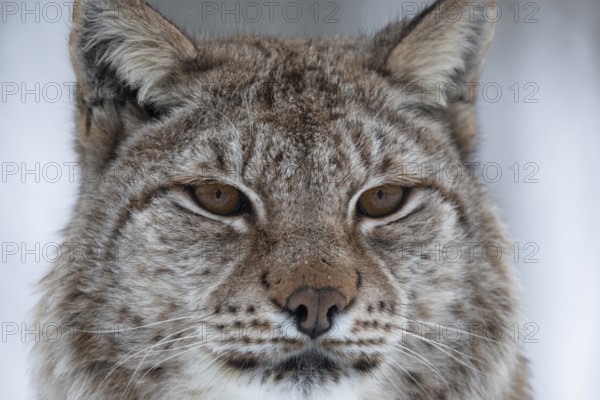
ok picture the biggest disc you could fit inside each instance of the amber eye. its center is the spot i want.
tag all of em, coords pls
(382, 200)
(219, 199)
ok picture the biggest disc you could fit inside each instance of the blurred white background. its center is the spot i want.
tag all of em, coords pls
(548, 50)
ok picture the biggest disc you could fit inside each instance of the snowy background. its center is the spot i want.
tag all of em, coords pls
(545, 60)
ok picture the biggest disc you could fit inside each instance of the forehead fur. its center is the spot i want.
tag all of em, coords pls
(299, 99)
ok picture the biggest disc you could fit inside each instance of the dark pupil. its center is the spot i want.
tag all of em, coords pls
(380, 194)
(219, 193)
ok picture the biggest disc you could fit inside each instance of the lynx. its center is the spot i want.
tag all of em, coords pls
(269, 222)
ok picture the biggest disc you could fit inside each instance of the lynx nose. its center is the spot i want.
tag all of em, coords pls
(315, 309)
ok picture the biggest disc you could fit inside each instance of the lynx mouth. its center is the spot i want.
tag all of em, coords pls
(309, 366)
(309, 363)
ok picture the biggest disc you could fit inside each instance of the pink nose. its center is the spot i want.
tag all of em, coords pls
(315, 309)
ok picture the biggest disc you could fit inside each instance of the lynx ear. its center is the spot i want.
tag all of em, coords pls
(437, 57)
(125, 56)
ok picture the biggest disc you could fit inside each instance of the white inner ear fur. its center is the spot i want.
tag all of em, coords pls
(144, 49)
(452, 39)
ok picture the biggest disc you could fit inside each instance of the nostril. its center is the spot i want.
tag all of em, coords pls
(331, 313)
(301, 313)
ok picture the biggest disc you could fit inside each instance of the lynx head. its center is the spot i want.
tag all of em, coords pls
(269, 220)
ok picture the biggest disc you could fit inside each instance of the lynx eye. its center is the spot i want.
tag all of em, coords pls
(219, 199)
(382, 200)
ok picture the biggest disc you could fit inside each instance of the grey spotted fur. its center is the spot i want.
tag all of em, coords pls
(176, 303)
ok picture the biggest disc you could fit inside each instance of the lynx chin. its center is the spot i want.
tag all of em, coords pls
(268, 218)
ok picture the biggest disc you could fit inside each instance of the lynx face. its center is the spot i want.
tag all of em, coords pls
(270, 222)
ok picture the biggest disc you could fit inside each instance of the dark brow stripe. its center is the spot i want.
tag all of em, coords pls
(219, 153)
(361, 146)
(455, 200)
(248, 152)
(136, 203)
